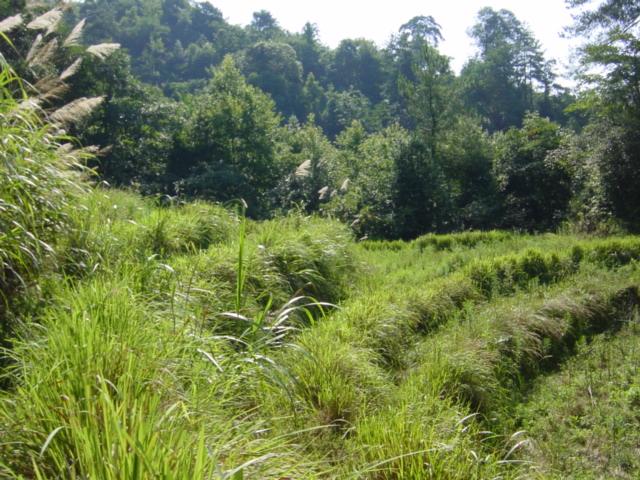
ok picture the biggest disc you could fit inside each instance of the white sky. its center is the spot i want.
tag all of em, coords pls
(376, 20)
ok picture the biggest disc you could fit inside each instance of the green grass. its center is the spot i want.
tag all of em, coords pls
(583, 418)
(182, 341)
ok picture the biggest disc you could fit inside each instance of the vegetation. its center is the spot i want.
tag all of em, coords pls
(327, 319)
(389, 140)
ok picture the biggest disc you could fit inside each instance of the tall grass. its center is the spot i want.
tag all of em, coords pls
(39, 185)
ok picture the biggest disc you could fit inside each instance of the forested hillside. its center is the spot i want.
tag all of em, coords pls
(233, 252)
(388, 139)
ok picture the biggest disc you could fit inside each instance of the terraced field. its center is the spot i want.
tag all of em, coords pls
(185, 342)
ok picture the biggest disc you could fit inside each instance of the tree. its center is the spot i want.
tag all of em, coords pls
(467, 155)
(168, 40)
(342, 109)
(610, 61)
(535, 185)
(274, 68)
(421, 196)
(314, 98)
(357, 64)
(264, 27)
(309, 51)
(366, 180)
(403, 55)
(227, 149)
(428, 97)
(502, 82)
(310, 182)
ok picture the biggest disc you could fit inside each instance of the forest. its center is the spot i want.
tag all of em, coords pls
(387, 139)
(233, 252)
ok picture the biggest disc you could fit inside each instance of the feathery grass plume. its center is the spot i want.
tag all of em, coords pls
(323, 193)
(50, 88)
(44, 54)
(35, 46)
(47, 21)
(74, 37)
(65, 148)
(303, 170)
(10, 23)
(76, 111)
(103, 50)
(54, 93)
(49, 82)
(71, 70)
(29, 104)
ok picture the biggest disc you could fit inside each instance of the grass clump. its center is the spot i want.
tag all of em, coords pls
(39, 185)
(464, 239)
(582, 418)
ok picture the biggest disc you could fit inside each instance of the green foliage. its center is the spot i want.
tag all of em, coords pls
(219, 139)
(313, 167)
(357, 64)
(366, 187)
(171, 41)
(502, 83)
(150, 337)
(421, 193)
(274, 68)
(227, 149)
(609, 68)
(536, 186)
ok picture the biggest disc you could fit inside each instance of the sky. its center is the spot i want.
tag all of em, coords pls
(378, 20)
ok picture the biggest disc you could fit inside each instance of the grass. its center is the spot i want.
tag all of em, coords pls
(583, 418)
(145, 345)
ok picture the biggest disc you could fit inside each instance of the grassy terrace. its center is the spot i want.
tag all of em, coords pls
(185, 342)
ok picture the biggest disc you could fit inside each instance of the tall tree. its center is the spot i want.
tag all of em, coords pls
(536, 185)
(227, 149)
(501, 83)
(309, 50)
(264, 27)
(429, 96)
(610, 61)
(274, 68)
(357, 64)
(404, 52)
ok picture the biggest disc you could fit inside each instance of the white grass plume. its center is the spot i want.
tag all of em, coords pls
(72, 69)
(47, 21)
(103, 50)
(10, 23)
(50, 88)
(76, 111)
(76, 34)
(44, 54)
(304, 169)
(34, 47)
(29, 103)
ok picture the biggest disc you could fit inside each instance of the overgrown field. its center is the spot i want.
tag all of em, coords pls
(182, 342)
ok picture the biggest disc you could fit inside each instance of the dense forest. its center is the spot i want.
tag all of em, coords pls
(234, 253)
(389, 140)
